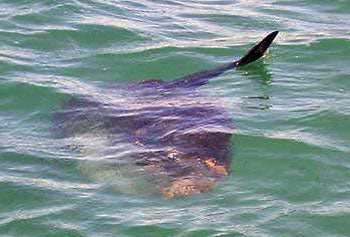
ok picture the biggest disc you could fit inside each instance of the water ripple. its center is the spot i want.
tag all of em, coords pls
(291, 113)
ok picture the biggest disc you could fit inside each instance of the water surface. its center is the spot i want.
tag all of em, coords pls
(291, 110)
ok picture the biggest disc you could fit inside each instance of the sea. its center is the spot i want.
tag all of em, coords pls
(291, 109)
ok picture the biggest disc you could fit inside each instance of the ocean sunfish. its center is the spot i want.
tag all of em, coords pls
(159, 134)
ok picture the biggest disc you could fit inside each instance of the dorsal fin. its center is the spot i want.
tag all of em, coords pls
(258, 50)
(202, 77)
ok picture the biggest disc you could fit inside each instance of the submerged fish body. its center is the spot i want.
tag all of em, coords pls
(168, 137)
(165, 135)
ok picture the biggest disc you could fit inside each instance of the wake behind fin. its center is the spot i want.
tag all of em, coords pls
(258, 50)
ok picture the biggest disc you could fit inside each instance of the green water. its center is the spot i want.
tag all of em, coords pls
(291, 149)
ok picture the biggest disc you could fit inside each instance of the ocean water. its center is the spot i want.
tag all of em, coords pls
(291, 109)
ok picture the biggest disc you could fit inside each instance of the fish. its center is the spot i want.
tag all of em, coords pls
(157, 135)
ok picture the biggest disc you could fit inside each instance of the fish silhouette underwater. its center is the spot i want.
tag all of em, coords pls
(157, 135)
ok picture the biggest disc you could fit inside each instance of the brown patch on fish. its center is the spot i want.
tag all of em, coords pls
(213, 166)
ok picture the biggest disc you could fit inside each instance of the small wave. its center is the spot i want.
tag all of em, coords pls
(31, 214)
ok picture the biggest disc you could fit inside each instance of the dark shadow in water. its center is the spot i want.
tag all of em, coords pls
(167, 133)
(152, 137)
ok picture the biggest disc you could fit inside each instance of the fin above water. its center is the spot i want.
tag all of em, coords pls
(202, 77)
(258, 50)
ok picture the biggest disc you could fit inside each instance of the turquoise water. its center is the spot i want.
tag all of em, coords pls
(290, 148)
